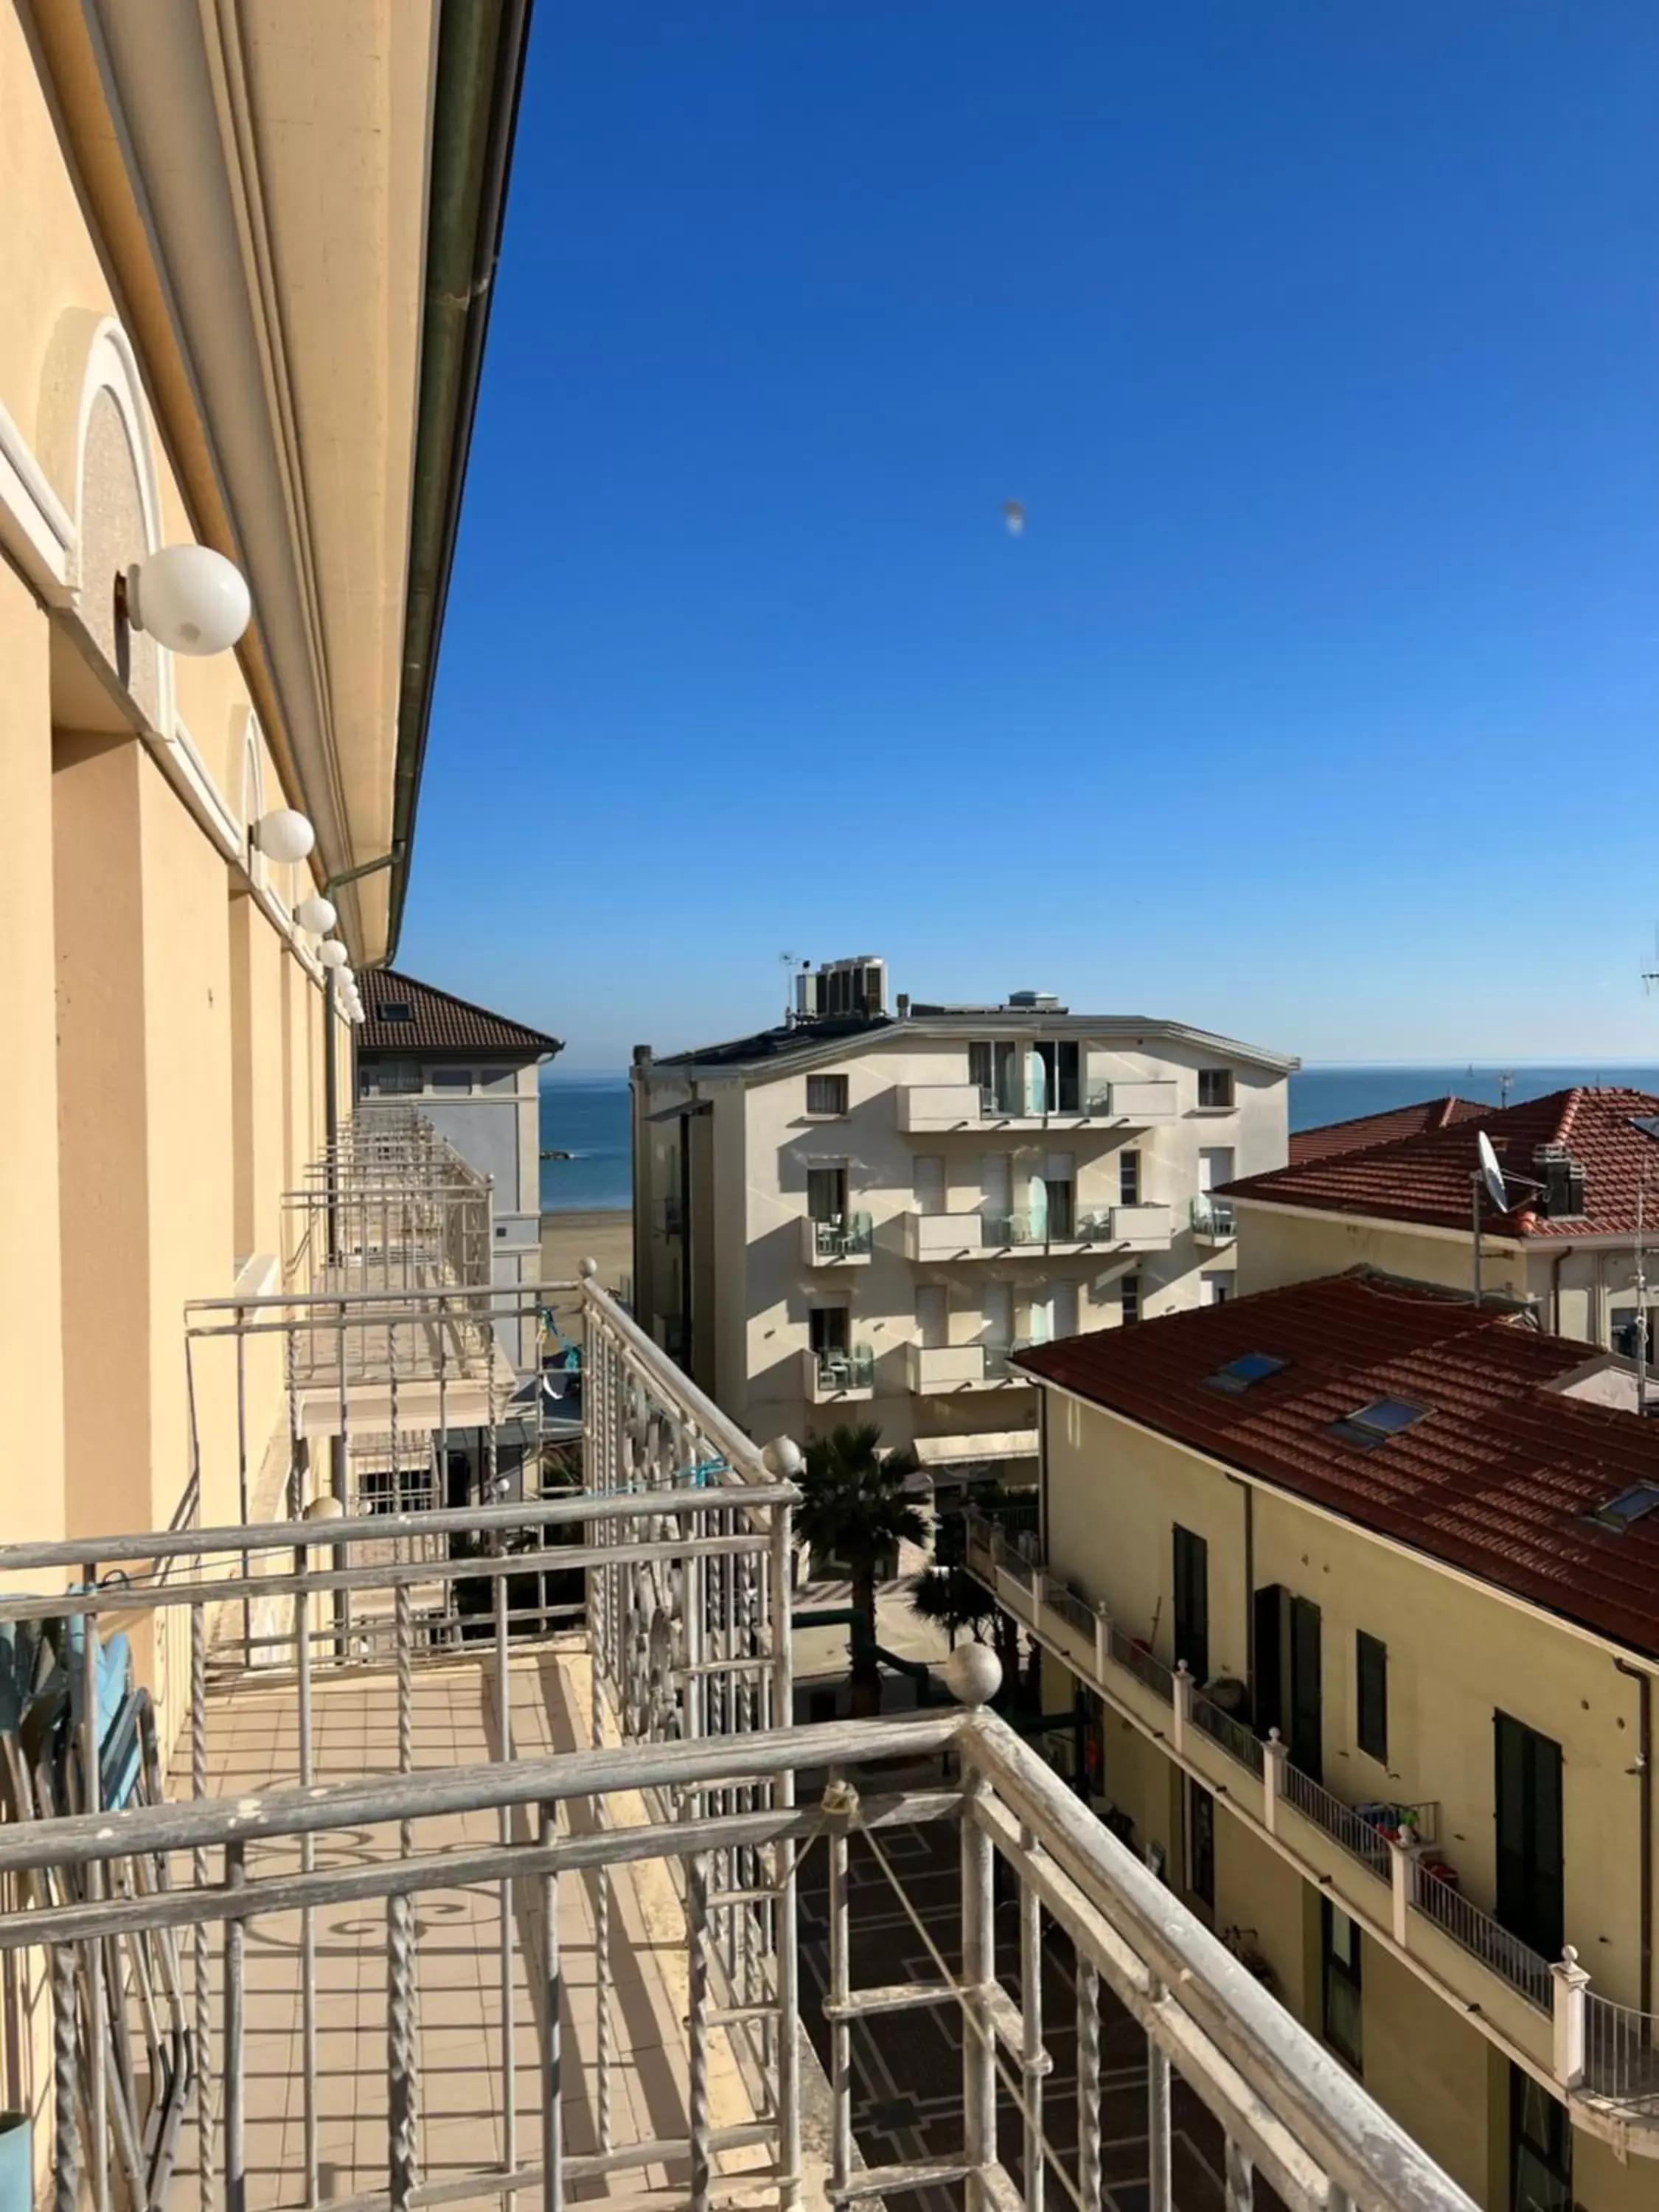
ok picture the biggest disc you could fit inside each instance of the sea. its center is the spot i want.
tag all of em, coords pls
(588, 1116)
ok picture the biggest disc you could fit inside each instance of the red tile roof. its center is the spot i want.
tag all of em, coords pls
(1426, 1177)
(1333, 1137)
(1495, 1481)
(438, 1023)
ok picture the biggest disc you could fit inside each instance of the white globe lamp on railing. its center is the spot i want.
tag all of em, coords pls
(188, 597)
(316, 913)
(283, 836)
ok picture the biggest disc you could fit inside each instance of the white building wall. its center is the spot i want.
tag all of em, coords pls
(765, 1144)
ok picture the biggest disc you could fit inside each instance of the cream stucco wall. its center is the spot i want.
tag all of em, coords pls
(1458, 1652)
(755, 1303)
(1577, 1285)
(31, 1288)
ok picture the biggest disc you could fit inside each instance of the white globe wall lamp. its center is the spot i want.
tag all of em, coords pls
(332, 953)
(283, 836)
(187, 598)
(317, 914)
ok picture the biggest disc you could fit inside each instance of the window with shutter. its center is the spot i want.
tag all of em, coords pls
(1371, 1698)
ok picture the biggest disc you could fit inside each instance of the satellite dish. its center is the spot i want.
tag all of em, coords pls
(1491, 1174)
(1013, 514)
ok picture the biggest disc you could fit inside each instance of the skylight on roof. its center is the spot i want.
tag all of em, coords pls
(1383, 1419)
(395, 1010)
(1628, 1505)
(1239, 1374)
(1647, 1123)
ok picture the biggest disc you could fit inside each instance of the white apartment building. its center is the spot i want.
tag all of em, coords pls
(859, 1214)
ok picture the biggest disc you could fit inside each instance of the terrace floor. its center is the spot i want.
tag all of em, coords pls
(465, 2046)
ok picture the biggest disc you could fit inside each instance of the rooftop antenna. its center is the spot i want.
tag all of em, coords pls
(1505, 1085)
(787, 961)
(1488, 1181)
(1641, 1305)
(1651, 976)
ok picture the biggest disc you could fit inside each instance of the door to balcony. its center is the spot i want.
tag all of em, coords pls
(1287, 1692)
(826, 1194)
(1528, 1801)
(933, 1316)
(1192, 1603)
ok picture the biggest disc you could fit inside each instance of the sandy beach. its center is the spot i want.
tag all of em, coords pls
(605, 1233)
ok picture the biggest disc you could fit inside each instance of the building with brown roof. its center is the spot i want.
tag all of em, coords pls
(1330, 1137)
(1354, 1588)
(1576, 1161)
(475, 1076)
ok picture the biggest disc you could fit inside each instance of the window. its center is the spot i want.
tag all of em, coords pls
(1128, 1299)
(1215, 1287)
(1383, 1419)
(393, 1010)
(1200, 1844)
(451, 1079)
(826, 1194)
(1192, 1604)
(1059, 1208)
(1239, 1374)
(1340, 1954)
(1215, 1088)
(826, 1094)
(830, 1332)
(994, 1071)
(1128, 1178)
(1628, 1505)
(1371, 1696)
(397, 1079)
(1540, 2148)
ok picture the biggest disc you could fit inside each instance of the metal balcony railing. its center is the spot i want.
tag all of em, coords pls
(1212, 1217)
(1089, 1915)
(1390, 1841)
(853, 1369)
(843, 1236)
(403, 1857)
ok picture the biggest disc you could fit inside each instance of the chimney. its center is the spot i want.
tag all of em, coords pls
(642, 1055)
(904, 1006)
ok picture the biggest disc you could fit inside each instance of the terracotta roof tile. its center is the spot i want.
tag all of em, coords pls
(437, 1022)
(1334, 1137)
(1426, 1177)
(1496, 1479)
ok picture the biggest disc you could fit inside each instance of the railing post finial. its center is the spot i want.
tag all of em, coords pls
(1273, 1757)
(1571, 1982)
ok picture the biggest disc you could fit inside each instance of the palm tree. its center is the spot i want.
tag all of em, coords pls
(951, 1599)
(854, 1509)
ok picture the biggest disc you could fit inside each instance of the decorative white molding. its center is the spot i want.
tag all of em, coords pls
(35, 527)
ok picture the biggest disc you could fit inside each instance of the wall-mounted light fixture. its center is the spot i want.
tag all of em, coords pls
(188, 597)
(283, 835)
(317, 914)
(332, 953)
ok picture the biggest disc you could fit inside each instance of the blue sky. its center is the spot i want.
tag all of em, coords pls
(1319, 702)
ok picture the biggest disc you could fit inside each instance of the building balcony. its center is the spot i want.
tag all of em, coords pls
(845, 1240)
(1377, 1861)
(401, 1852)
(942, 1238)
(938, 1367)
(1212, 1221)
(834, 1378)
(935, 1109)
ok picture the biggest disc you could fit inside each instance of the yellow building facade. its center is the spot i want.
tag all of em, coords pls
(203, 219)
(1183, 1600)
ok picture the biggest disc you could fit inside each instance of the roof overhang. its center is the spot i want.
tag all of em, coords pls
(1490, 1240)
(1128, 1031)
(283, 187)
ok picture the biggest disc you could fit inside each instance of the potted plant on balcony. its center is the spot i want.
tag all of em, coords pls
(854, 1509)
